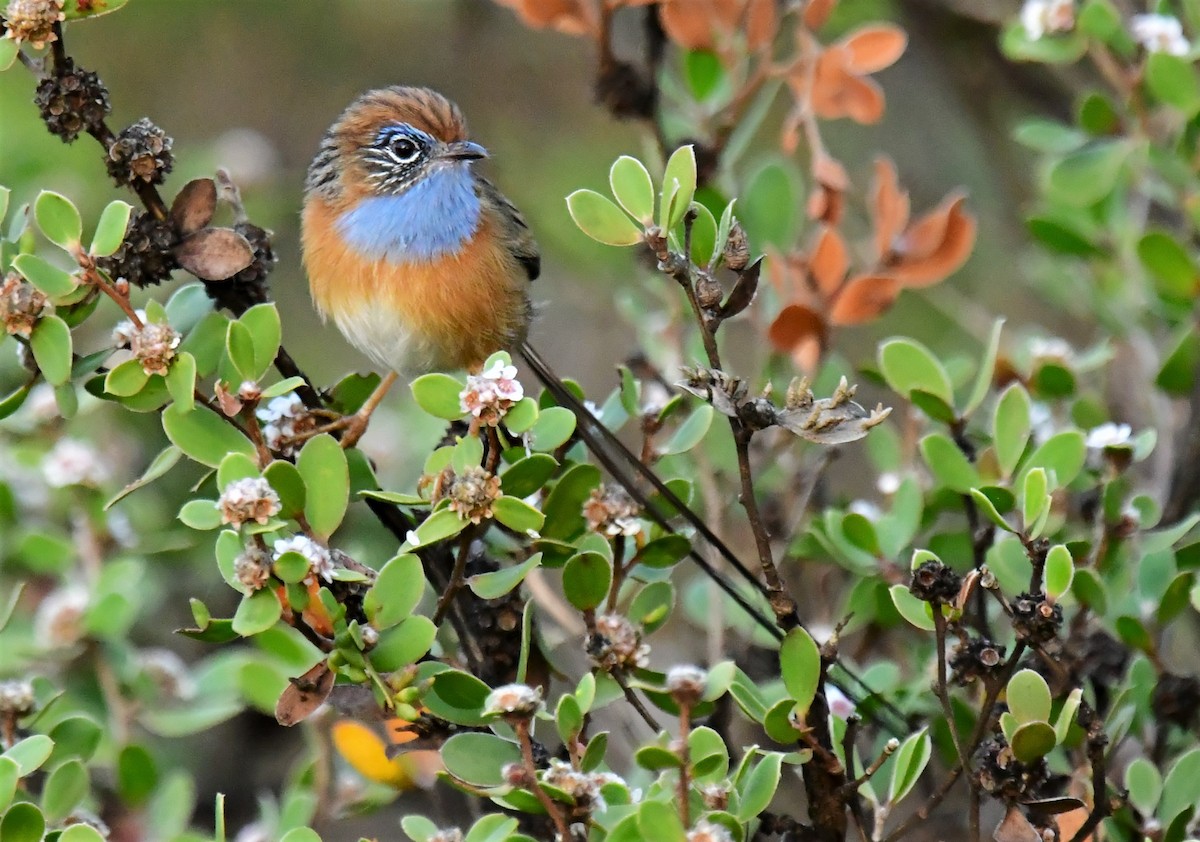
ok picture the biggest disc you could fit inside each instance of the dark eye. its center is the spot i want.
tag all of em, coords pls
(404, 149)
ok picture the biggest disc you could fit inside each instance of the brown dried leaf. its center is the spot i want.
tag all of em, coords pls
(193, 208)
(871, 48)
(800, 331)
(817, 12)
(1070, 822)
(825, 205)
(829, 262)
(838, 92)
(829, 171)
(574, 17)
(304, 695)
(743, 290)
(214, 254)
(1016, 828)
(695, 24)
(230, 403)
(889, 207)
(761, 23)
(832, 420)
(864, 298)
(928, 266)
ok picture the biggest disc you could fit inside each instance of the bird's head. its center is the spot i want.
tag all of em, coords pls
(388, 140)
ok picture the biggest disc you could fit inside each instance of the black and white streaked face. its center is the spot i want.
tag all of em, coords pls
(399, 156)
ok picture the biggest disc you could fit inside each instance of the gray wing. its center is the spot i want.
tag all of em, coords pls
(515, 231)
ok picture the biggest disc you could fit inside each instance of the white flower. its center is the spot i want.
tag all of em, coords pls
(319, 558)
(839, 703)
(124, 332)
(1040, 17)
(686, 683)
(706, 831)
(866, 508)
(281, 419)
(491, 393)
(59, 617)
(1109, 435)
(1052, 347)
(888, 482)
(519, 700)
(73, 462)
(1159, 34)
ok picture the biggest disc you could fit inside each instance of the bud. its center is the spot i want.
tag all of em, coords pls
(513, 701)
(737, 248)
(686, 684)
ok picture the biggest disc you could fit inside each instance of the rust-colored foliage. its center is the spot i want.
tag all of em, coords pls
(707, 24)
(835, 82)
(821, 288)
(574, 17)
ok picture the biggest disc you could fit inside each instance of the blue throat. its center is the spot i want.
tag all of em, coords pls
(432, 218)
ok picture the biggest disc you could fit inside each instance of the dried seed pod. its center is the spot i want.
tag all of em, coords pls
(147, 256)
(1035, 619)
(934, 582)
(71, 101)
(141, 153)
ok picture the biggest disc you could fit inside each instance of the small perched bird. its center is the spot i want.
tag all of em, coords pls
(419, 260)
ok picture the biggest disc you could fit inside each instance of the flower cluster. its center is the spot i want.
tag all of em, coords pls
(320, 560)
(706, 831)
(616, 644)
(73, 462)
(472, 493)
(1047, 17)
(253, 568)
(1160, 34)
(283, 419)
(251, 498)
(519, 701)
(16, 698)
(686, 684)
(491, 393)
(59, 618)
(33, 21)
(611, 512)
(21, 305)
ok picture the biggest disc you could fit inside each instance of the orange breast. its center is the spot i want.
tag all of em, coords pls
(450, 312)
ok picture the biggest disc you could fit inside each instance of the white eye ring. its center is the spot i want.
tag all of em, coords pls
(404, 150)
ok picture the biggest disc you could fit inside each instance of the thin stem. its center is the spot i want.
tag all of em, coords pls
(922, 815)
(457, 576)
(521, 726)
(943, 693)
(685, 728)
(633, 700)
(781, 602)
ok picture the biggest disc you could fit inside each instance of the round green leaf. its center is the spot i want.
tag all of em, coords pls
(601, 220)
(1086, 176)
(110, 230)
(950, 467)
(9, 774)
(65, 788)
(76, 737)
(758, 787)
(239, 345)
(908, 365)
(1169, 262)
(800, 665)
(257, 612)
(659, 820)
(181, 380)
(691, 432)
(1173, 80)
(1028, 697)
(58, 219)
(1145, 784)
(681, 171)
(403, 644)
(203, 435)
(266, 331)
(1181, 788)
(771, 204)
(496, 584)
(1033, 740)
(47, 277)
(23, 822)
(322, 464)
(1066, 48)
(633, 189)
(517, 515)
(525, 476)
(1060, 570)
(137, 775)
(439, 526)
(30, 753)
(911, 608)
(289, 485)
(301, 834)
(396, 591)
(1063, 453)
(200, 514)
(8, 54)
(553, 428)
(663, 552)
(1010, 427)
(704, 236)
(437, 394)
(478, 758)
(418, 828)
(587, 577)
(50, 342)
(128, 378)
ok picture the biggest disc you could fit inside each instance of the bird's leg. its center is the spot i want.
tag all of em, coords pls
(356, 424)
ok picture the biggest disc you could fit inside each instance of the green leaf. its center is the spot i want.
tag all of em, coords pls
(50, 342)
(493, 827)
(950, 467)
(1163, 539)
(633, 188)
(301, 834)
(911, 759)
(58, 219)
(1145, 785)
(1086, 176)
(989, 509)
(322, 465)
(204, 436)
(1178, 373)
(30, 753)
(8, 54)
(127, 378)
(1181, 788)
(181, 381)
(239, 345)
(257, 612)
(48, 278)
(600, 219)
(1028, 697)
(403, 644)
(418, 828)
(289, 485)
(1043, 135)
(987, 368)
(479, 758)
(200, 514)
(13, 401)
(496, 584)
(1033, 740)
(66, 786)
(282, 387)
(771, 204)
(1010, 427)
(908, 365)
(23, 822)
(759, 787)
(553, 428)
(1063, 453)
(663, 552)
(800, 666)
(266, 331)
(586, 579)
(1168, 261)
(911, 608)
(564, 505)
(1063, 724)
(439, 526)
(1060, 570)
(691, 432)
(525, 476)
(517, 515)
(438, 394)
(9, 774)
(1067, 48)
(704, 72)
(396, 592)
(1173, 80)
(704, 236)
(110, 230)
(1035, 499)
(681, 170)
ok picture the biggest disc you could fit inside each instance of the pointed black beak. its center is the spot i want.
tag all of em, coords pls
(463, 150)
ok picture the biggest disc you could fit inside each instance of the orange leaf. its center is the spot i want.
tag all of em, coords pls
(825, 205)
(574, 17)
(830, 172)
(828, 262)
(889, 207)
(1070, 822)
(694, 24)
(817, 12)
(864, 298)
(872, 48)
(958, 238)
(796, 324)
(761, 23)
(783, 272)
(926, 234)
(863, 100)
(837, 92)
